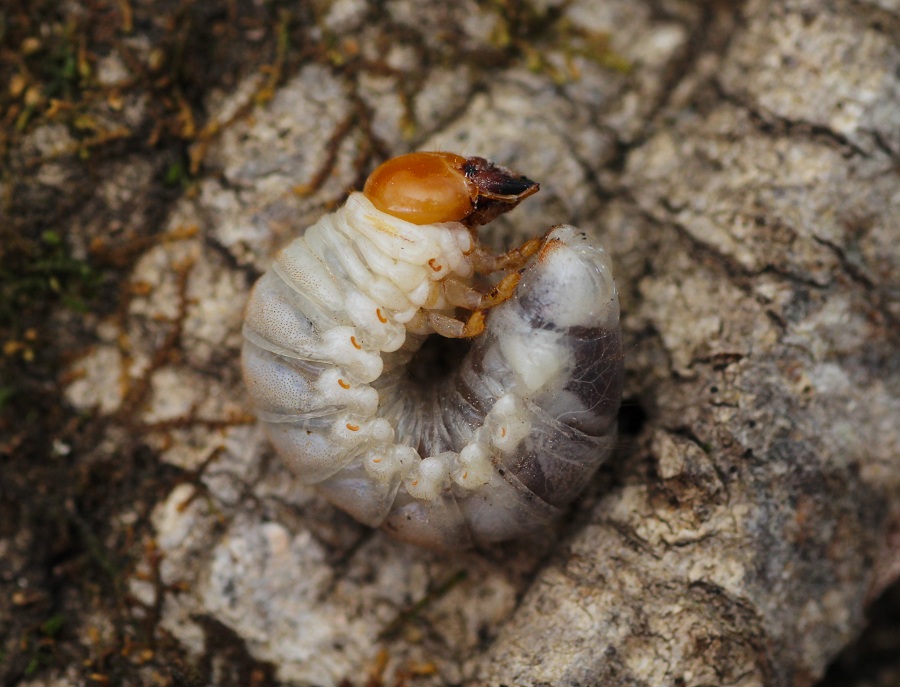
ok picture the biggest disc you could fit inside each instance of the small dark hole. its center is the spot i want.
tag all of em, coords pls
(437, 359)
(632, 417)
(872, 658)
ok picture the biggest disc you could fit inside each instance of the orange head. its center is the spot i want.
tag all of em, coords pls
(426, 188)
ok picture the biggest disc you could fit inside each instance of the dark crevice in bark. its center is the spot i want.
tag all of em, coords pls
(773, 125)
(878, 298)
(727, 267)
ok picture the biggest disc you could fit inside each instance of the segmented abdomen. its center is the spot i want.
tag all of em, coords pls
(489, 452)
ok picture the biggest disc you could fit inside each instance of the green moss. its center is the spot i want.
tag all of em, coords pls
(52, 626)
(43, 272)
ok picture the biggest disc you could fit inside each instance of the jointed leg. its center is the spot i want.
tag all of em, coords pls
(486, 263)
(452, 328)
(462, 295)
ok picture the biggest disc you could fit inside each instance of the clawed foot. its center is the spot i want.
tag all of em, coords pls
(465, 296)
(514, 259)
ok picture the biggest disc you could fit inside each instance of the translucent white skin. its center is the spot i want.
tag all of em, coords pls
(489, 452)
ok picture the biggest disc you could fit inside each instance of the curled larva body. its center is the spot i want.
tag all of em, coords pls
(488, 452)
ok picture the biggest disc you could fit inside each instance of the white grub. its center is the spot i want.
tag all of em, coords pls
(487, 452)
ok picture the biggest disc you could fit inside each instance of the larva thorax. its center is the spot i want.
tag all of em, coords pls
(331, 328)
(397, 265)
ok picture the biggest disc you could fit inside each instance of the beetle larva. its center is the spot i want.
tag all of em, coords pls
(493, 449)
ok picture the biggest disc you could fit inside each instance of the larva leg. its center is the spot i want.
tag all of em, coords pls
(452, 328)
(502, 291)
(446, 326)
(486, 263)
(464, 296)
(461, 295)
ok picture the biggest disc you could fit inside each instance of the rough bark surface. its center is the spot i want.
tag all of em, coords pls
(742, 165)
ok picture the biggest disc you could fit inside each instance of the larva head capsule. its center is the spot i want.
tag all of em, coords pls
(427, 188)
